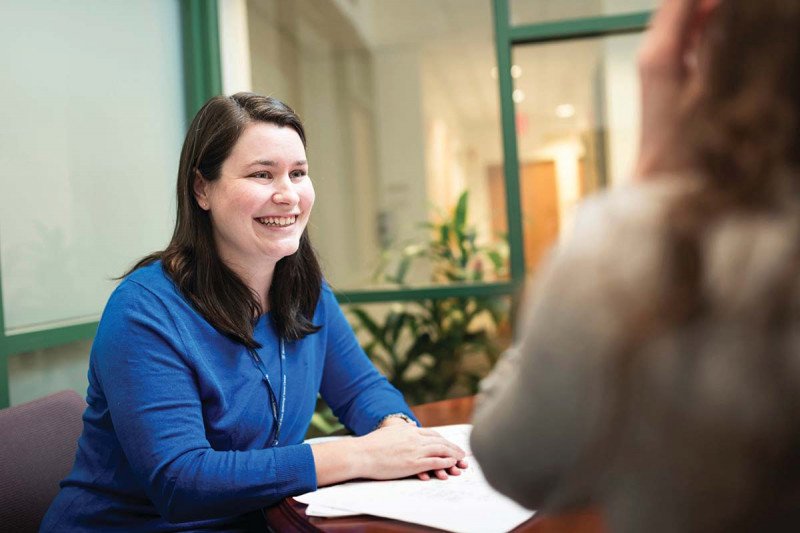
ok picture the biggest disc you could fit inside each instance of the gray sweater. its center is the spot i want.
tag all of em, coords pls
(680, 458)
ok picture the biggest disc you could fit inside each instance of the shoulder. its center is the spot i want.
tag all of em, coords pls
(623, 226)
(151, 278)
(147, 291)
(636, 207)
(326, 292)
(330, 315)
(137, 314)
(613, 255)
(327, 301)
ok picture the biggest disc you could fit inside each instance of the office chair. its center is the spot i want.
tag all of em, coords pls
(38, 441)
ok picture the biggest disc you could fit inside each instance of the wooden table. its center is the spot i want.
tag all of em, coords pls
(290, 516)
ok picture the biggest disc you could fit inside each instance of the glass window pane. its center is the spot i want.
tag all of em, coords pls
(533, 11)
(577, 116)
(402, 117)
(91, 124)
(434, 349)
(36, 374)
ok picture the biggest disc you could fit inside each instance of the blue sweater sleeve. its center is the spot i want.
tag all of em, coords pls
(357, 393)
(155, 406)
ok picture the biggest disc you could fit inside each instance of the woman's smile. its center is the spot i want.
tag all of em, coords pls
(278, 221)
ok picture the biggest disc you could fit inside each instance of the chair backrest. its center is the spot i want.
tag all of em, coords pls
(38, 441)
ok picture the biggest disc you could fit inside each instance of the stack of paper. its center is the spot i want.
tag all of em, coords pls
(462, 504)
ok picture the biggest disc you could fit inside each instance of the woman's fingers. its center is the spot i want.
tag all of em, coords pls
(443, 473)
(435, 439)
(398, 451)
(431, 464)
(443, 449)
(667, 41)
(666, 82)
(675, 14)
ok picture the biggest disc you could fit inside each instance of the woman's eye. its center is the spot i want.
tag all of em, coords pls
(261, 175)
(297, 174)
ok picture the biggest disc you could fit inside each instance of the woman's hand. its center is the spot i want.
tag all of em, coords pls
(401, 450)
(460, 465)
(668, 70)
(425, 476)
(391, 452)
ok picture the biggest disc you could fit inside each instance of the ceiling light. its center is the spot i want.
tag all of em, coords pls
(518, 96)
(565, 111)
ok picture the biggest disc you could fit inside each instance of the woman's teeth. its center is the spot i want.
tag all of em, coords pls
(278, 221)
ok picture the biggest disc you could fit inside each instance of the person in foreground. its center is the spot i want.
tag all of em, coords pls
(657, 376)
(209, 355)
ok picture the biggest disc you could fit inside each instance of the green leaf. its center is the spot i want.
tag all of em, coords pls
(436, 335)
(402, 269)
(325, 425)
(460, 213)
(422, 345)
(444, 235)
(477, 274)
(393, 324)
(496, 259)
(367, 322)
(397, 328)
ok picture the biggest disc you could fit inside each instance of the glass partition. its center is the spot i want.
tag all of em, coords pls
(401, 107)
(91, 123)
(432, 349)
(534, 11)
(577, 121)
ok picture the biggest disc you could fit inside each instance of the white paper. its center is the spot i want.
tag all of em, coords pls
(328, 512)
(463, 504)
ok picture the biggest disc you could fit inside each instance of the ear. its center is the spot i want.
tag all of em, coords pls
(201, 188)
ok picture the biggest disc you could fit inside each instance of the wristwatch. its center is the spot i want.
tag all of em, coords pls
(404, 416)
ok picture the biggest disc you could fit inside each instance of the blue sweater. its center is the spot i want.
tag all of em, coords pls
(176, 431)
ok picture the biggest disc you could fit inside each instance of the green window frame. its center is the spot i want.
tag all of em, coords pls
(203, 79)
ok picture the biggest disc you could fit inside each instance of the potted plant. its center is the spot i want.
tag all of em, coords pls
(433, 349)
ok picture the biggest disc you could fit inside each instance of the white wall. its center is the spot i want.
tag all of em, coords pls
(622, 111)
(401, 142)
(234, 44)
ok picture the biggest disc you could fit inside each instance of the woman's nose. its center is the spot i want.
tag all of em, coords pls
(285, 193)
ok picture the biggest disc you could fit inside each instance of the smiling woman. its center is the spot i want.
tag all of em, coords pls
(210, 354)
(260, 204)
(242, 160)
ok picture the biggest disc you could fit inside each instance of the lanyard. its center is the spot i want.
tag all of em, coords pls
(278, 408)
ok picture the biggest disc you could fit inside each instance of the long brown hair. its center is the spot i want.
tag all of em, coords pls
(191, 258)
(742, 134)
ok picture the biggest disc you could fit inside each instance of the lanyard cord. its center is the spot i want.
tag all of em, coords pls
(278, 408)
